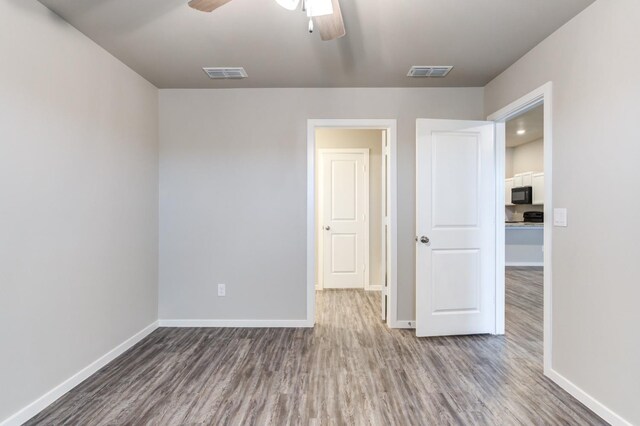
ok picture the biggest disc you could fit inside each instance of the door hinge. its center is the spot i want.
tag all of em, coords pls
(364, 267)
(364, 168)
(386, 150)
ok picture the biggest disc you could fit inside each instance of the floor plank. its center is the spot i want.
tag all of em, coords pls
(350, 369)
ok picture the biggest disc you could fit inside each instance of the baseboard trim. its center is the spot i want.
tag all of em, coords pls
(218, 323)
(593, 404)
(402, 324)
(374, 288)
(50, 397)
(524, 264)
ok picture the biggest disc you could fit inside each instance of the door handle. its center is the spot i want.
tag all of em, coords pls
(327, 228)
(423, 239)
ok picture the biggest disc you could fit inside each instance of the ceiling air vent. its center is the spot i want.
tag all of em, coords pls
(226, 72)
(428, 71)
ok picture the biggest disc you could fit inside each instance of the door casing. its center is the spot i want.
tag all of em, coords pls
(390, 126)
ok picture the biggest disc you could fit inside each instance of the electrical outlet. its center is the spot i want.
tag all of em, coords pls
(222, 290)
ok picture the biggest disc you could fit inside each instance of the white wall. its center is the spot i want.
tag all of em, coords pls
(528, 157)
(78, 203)
(233, 192)
(596, 342)
(508, 163)
(371, 139)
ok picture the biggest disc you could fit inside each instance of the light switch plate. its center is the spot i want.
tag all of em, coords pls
(560, 217)
(222, 290)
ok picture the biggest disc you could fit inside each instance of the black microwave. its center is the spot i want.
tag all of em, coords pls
(521, 195)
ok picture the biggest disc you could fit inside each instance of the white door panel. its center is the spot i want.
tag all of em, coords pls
(344, 192)
(344, 253)
(455, 165)
(455, 272)
(344, 189)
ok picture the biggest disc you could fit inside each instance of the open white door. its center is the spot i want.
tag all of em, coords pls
(345, 222)
(455, 226)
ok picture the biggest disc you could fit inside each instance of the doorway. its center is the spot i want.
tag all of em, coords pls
(524, 228)
(524, 175)
(337, 161)
(538, 102)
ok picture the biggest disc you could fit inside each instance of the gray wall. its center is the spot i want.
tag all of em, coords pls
(233, 192)
(78, 203)
(593, 62)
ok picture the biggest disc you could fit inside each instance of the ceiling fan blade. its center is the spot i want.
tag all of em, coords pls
(331, 27)
(207, 5)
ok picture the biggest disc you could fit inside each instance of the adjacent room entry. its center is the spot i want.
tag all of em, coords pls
(351, 215)
(344, 217)
(350, 208)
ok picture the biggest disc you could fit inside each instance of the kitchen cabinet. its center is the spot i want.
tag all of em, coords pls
(508, 185)
(523, 179)
(538, 188)
(532, 179)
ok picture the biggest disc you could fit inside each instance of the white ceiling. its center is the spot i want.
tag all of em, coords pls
(532, 122)
(168, 43)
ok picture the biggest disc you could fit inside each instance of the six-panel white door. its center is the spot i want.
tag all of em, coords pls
(344, 221)
(455, 225)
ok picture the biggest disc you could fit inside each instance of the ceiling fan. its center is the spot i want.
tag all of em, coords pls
(325, 14)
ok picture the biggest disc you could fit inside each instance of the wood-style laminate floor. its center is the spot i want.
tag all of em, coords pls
(350, 369)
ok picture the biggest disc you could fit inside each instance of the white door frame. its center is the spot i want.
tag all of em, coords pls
(367, 268)
(390, 126)
(540, 96)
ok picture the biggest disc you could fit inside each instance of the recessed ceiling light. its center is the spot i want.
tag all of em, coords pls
(521, 132)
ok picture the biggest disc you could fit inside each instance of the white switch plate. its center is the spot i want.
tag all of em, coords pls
(222, 290)
(560, 217)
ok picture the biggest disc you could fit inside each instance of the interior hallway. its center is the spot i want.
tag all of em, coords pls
(350, 369)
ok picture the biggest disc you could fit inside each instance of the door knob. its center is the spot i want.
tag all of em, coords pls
(424, 240)
(327, 228)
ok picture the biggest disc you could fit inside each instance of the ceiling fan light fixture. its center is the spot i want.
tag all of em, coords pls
(289, 4)
(318, 7)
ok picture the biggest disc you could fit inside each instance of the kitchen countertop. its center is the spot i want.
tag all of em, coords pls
(528, 225)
